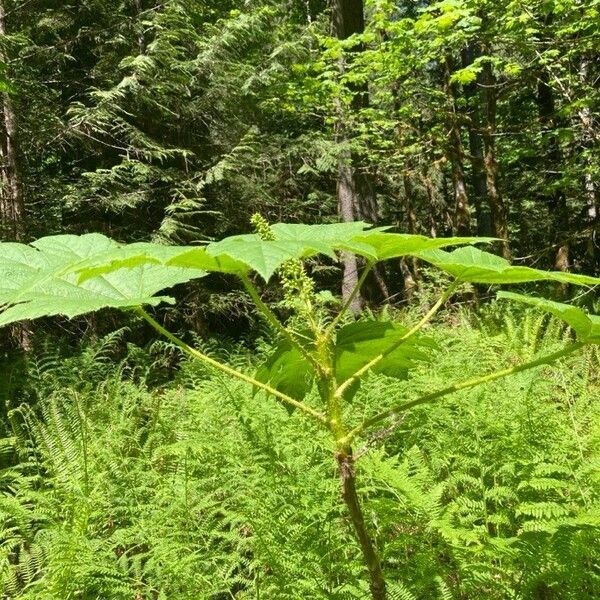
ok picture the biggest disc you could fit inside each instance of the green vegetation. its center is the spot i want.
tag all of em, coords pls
(316, 346)
(196, 489)
(353, 250)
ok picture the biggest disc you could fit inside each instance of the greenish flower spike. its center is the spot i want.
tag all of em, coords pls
(298, 287)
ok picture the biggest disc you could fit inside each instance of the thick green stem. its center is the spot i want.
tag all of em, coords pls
(463, 385)
(375, 361)
(226, 369)
(345, 463)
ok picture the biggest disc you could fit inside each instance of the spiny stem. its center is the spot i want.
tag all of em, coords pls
(331, 328)
(372, 363)
(274, 321)
(347, 473)
(463, 385)
(226, 369)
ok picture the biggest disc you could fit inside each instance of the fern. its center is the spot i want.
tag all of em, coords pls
(196, 489)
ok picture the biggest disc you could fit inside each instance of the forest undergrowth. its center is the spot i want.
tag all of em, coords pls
(118, 482)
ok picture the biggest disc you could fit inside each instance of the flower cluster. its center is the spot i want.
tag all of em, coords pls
(298, 287)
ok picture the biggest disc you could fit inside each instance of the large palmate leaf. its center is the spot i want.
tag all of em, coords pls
(37, 280)
(287, 371)
(238, 254)
(264, 256)
(470, 264)
(359, 343)
(179, 257)
(393, 245)
(243, 253)
(587, 327)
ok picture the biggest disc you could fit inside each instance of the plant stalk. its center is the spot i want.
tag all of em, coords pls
(274, 321)
(226, 369)
(345, 462)
(462, 385)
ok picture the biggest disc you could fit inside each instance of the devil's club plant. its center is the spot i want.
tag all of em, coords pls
(73, 275)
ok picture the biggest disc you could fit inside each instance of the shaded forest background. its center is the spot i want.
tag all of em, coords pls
(177, 120)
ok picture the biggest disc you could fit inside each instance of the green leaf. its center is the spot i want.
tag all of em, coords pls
(332, 236)
(359, 343)
(296, 241)
(330, 233)
(301, 241)
(132, 255)
(287, 371)
(587, 327)
(470, 264)
(265, 256)
(292, 241)
(241, 253)
(394, 245)
(466, 75)
(205, 260)
(38, 280)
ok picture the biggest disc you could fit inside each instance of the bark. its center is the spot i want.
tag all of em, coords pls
(346, 201)
(366, 209)
(410, 283)
(379, 274)
(348, 18)
(411, 215)
(309, 16)
(354, 189)
(407, 264)
(557, 200)
(462, 215)
(478, 179)
(141, 38)
(12, 207)
(433, 217)
(589, 185)
(347, 473)
(495, 199)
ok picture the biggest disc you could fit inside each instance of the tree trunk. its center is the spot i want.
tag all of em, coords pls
(478, 178)
(462, 215)
(589, 185)
(433, 217)
(496, 202)
(407, 264)
(356, 198)
(12, 208)
(346, 201)
(557, 200)
(348, 18)
(141, 37)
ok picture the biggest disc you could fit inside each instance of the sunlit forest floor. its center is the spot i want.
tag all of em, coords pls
(121, 483)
